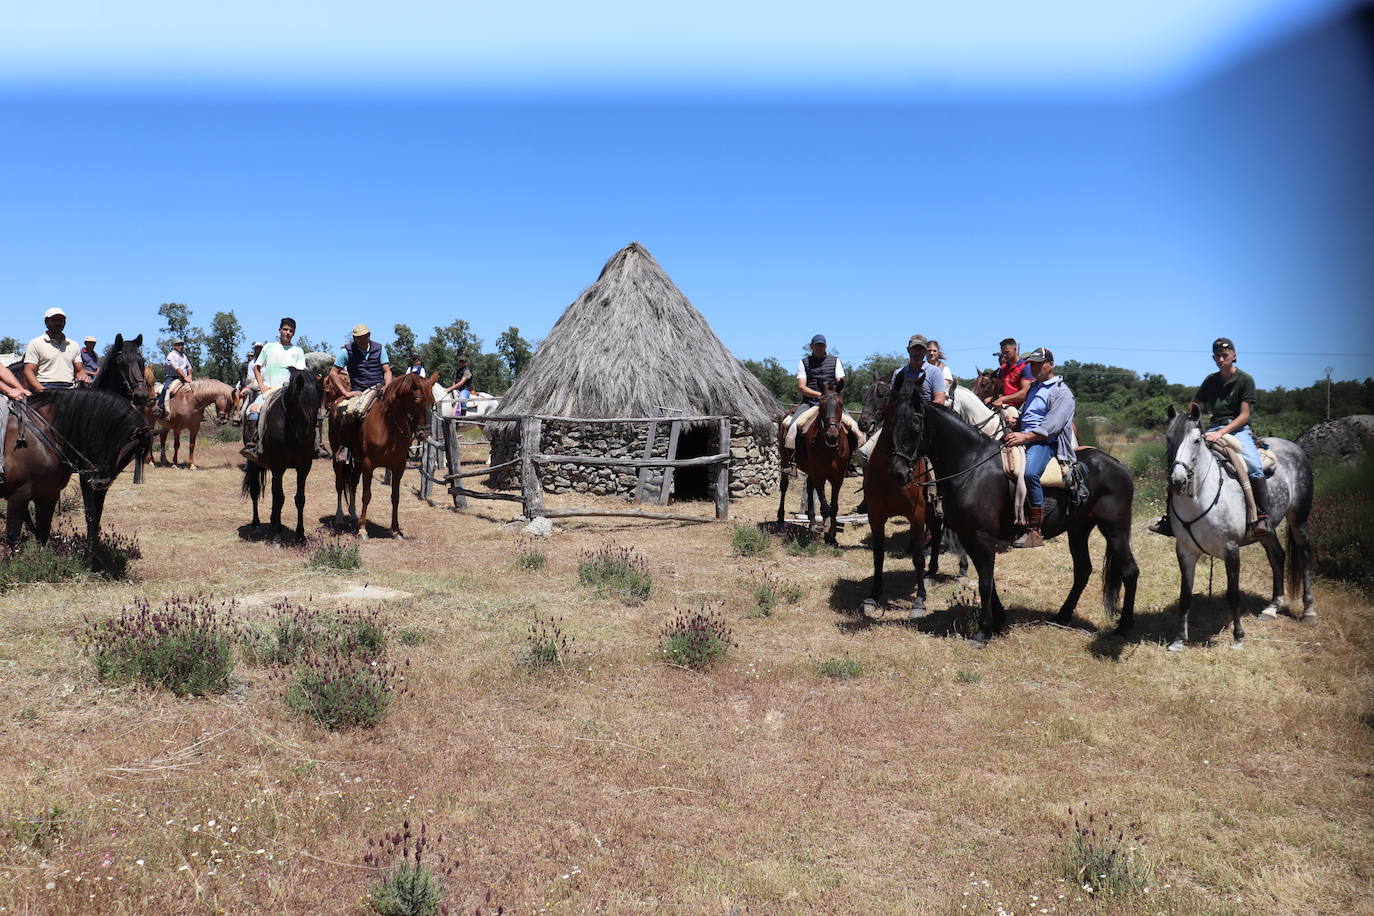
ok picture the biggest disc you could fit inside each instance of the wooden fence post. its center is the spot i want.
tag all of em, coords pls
(530, 433)
(674, 431)
(723, 473)
(455, 462)
(427, 460)
(648, 453)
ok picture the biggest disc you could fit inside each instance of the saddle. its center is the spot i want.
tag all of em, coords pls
(359, 406)
(1054, 477)
(1229, 456)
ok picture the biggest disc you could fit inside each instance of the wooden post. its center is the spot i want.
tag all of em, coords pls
(454, 460)
(666, 490)
(530, 433)
(427, 458)
(723, 474)
(648, 453)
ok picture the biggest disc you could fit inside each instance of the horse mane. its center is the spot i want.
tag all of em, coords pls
(211, 385)
(99, 424)
(303, 394)
(399, 386)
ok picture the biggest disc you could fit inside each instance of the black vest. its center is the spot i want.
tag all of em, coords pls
(364, 369)
(819, 373)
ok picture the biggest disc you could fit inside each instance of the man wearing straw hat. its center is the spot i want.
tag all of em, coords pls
(90, 361)
(363, 369)
(178, 374)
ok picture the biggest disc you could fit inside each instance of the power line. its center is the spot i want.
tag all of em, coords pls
(1193, 350)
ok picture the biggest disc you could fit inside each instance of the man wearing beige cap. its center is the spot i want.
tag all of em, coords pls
(361, 366)
(53, 360)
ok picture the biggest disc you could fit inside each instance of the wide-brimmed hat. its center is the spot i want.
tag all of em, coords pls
(177, 340)
(1222, 343)
(361, 330)
(54, 312)
(90, 339)
(917, 340)
(1040, 355)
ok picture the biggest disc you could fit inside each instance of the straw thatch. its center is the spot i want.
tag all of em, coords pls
(630, 344)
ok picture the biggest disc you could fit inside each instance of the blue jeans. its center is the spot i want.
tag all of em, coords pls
(1038, 457)
(1247, 449)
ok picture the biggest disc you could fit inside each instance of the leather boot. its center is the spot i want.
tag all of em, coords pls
(1035, 517)
(788, 459)
(1260, 487)
(250, 448)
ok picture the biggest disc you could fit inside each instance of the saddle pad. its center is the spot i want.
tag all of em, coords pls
(359, 406)
(1227, 450)
(1233, 454)
(1014, 465)
(809, 416)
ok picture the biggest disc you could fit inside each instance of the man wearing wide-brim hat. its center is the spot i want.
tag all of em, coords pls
(53, 360)
(178, 373)
(361, 367)
(1045, 428)
(90, 360)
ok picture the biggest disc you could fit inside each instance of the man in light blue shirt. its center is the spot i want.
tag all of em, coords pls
(1046, 430)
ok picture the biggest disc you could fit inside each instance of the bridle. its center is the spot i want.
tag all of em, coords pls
(830, 415)
(910, 459)
(67, 454)
(1188, 489)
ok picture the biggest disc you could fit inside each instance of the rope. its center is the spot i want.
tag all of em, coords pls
(47, 433)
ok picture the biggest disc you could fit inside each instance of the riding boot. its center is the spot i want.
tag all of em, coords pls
(1035, 516)
(1260, 487)
(862, 507)
(788, 459)
(250, 448)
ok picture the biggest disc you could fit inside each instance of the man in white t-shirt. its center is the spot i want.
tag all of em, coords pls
(270, 369)
(178, 370)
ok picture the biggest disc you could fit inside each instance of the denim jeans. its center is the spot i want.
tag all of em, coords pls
(1038, 457)
(1247, 449)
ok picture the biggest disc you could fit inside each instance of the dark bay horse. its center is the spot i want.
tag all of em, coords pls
(124, 373)
(886, 498)
(825, 450)
(53, 434)
(381, 440)
(978, 506)
(1208, 512)
(286, 432)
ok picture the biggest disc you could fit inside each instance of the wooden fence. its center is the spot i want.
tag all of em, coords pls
(443, 439)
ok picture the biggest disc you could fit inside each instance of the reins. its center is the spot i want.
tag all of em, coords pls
(1221, 484)
(55, 442)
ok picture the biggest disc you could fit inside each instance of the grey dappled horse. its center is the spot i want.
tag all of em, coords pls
(1208, 513)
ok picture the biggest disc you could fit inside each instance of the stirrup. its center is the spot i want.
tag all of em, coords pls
(1163, 525)
(1261, 527)
(1029, 538)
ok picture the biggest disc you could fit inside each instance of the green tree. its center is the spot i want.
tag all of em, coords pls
(178, 327)
(10, 345)
(440, 353)
(403, 348)
(222, 346)
(489, 373)
(309, 346)
(514, 349)
(773, 376)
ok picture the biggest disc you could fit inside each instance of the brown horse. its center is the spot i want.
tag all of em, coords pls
(186, 410)
(825, 449)
(54, 434)
(381, 440)
(886, 499)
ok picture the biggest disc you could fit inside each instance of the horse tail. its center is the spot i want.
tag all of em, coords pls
(1299, 560)
(1111, 582)
(253, 479)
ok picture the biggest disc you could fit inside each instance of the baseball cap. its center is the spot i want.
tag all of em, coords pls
(1222, 343)
(917, 340)
(361, 330)
(177, 340)
(54, 312)
(1040, 355)
(818, 339)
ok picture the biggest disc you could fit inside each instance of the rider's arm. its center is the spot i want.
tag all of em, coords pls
(257, 374)
(1242, 417)
(1016, 398)
(79, 368)
(10, 385)
(31, 377)
(386, 374)
(804, 391)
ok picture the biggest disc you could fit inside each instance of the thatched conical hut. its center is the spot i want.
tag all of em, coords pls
(632, 345)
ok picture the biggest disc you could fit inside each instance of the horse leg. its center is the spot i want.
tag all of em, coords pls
(340, 484)
(365, 470)
(1187, 566)
(918, 557)
(1082, 571)
(1120, 568)
(396, 502)
(42, 518)
(832, 511)
(877, 526)
(176, 448)
(936, 529)
(162, 447)
(278, 498)
(782, 497)
(1300, 558)
(302, 473)
(985, 561)
(1278, 601)
(1233, 596)
(93, 502)
(191, 447)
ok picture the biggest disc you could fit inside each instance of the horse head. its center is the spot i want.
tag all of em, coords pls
(908, 419)
(1184, 443)
(985, 384)
(875, 405)
(123, 371)
(832, 417)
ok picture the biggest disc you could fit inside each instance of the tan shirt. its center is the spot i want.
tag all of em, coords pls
(55, 359)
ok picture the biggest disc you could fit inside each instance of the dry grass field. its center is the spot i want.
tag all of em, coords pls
(938, 780)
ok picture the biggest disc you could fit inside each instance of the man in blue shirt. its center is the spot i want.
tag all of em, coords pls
(1046, 430)
(361, 365)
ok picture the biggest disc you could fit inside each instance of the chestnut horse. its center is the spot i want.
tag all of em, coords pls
(825, 448)
(54, 434)
(381, 440)
(886, 499)
(186, 410)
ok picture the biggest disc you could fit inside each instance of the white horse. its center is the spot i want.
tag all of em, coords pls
(479, 404)
(1208, 512)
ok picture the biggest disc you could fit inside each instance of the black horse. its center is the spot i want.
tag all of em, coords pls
(287, 434)
(122, 372)
(978, 506)
(54, 434)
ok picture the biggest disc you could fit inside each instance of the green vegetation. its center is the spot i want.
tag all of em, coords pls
(841, 669)
(334, 554)
(1342, 522)
(186, 647)
(696, 639)
(1106, 859)
(616, 571)
(747, 540)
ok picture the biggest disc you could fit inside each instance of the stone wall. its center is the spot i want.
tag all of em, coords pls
(753, 461)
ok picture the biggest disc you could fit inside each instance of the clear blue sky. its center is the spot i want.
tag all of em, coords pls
(1122, 187)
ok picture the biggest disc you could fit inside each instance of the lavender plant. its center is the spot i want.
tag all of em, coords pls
(340, 690)
(410, 870)
(529, 557)
(616, 571)
(696, 639)
(186, 646)
(1105, 858)
(331, 553)
(549, 645)
(295, 629)
(67, 556)
(770, 591)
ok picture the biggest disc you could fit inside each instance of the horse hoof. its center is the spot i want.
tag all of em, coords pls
(362, 533)
(1309, 618)
(398, 536)
(1176, 646)
(1062, 618)
(918, 610)
(961, 579)
(1238, 643)
(1122, 632)
(870, 604)
(1271, 612)
(979, 641)
(192, 467)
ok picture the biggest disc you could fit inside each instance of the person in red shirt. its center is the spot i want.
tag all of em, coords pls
(1014, 376)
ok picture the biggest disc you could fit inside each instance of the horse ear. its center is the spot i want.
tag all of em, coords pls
(138, 341)
(1194, 412)
(1171, 413)
(119, 340)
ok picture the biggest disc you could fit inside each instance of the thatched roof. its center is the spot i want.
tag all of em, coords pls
(630, 343)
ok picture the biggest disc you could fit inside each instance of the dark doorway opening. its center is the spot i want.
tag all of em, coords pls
(695, 482)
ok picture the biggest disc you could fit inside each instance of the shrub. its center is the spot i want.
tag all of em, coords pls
(529, 557)
(770, 591)
(616, 570)
(840, 668)
(408, 887)
(697, 639)
(1341, 521)
(748, 540)
(967, 677)
(297, 629)
(228, 433)
(342, 691)
(410, 636)
(186, 647)
(331, 554)
(548, 644)
(1105, 858)
(65, 557)
(1148, 461)
(42, 832)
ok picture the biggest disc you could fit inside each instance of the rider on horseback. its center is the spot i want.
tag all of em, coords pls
(1014, 375)
(1046, 430)
(178, 370)
(270, 369)
(361, 365)
(1229, 393)
(814, 373)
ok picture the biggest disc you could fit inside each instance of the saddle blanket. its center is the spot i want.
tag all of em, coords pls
(1228, 452)
(1014, 464)
(809, 416)
(359, 406)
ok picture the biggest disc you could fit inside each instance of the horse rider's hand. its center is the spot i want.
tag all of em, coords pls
(18, 394)
(1213, 435)
(355, 394)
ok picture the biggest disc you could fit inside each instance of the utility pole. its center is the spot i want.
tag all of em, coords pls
(1328, 392)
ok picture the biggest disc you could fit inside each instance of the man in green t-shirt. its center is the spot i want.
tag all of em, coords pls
(270, 369)
(1228, 396)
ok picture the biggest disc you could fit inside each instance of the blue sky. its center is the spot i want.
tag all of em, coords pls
(1120, 187)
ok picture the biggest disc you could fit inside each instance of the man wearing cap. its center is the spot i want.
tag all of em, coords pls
(814, 372)
(1229, 396)
(271, 368)
(1014, 375)
(90, 361)
(178, 372)
(361, 365)
(1046, 430)
(415, 368)
(52, 360)
(462, 383)
(934, 390)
